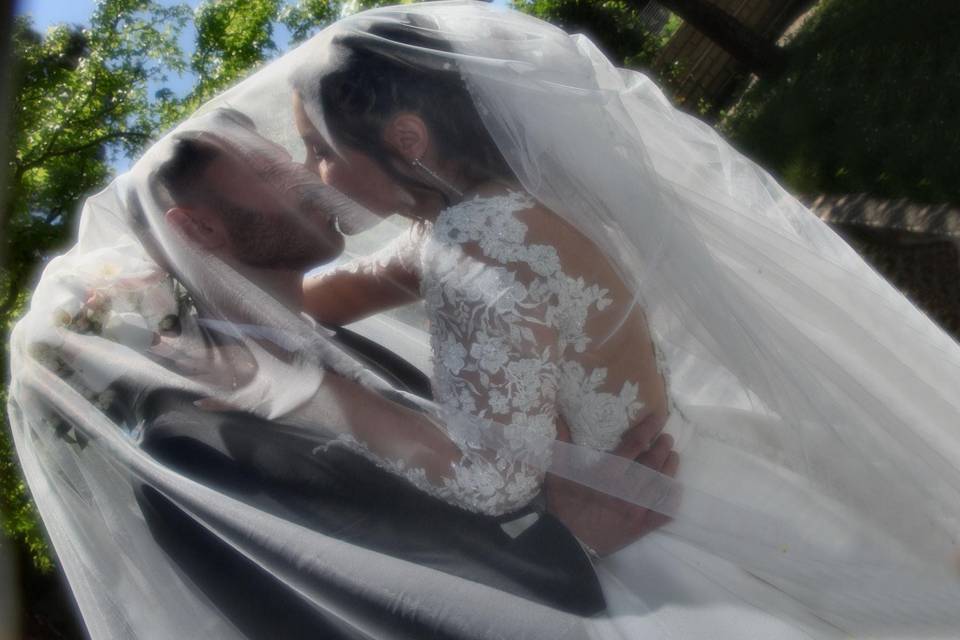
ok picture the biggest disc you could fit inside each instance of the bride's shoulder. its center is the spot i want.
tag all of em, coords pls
(506, 225)
(488, 201)
(498, 203)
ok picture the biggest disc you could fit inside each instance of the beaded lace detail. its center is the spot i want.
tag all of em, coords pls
(507, 326)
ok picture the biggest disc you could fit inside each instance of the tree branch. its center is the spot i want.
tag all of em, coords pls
(117, 135)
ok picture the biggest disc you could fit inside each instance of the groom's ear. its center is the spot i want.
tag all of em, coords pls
(202, 227)
(407, 133)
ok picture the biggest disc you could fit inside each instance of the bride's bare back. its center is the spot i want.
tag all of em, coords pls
(513, 292)
(617, 339)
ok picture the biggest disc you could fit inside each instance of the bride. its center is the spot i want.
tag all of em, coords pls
(590, 259)
(529, 321)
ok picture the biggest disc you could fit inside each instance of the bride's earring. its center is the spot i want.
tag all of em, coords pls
(448, 189)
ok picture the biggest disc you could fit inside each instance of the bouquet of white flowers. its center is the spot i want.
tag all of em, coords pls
(114, 295)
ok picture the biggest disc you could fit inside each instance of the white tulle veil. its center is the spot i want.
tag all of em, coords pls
(816, 409)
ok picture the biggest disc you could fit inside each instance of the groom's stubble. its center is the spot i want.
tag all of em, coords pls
(280, 240)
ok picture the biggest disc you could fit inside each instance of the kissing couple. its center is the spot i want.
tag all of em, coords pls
(554, 282)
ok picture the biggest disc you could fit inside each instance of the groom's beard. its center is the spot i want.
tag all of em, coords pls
(288, 241)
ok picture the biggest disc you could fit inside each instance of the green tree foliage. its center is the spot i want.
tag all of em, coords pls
(867, 103)
(83, 95)
(233, 36)
(306, 17)
(614, 25)
(87, 96)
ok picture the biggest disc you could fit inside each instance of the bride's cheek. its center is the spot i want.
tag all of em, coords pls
(339, 177)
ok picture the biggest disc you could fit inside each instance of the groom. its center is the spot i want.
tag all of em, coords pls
(232, 204)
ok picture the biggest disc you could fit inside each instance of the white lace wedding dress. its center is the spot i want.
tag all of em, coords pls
(511, 344)
(509, 341)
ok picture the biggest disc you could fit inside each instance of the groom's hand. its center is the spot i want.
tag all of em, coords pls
(602, 522)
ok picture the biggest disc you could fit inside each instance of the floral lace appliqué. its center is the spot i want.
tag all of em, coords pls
(507, 326)
(488, 318)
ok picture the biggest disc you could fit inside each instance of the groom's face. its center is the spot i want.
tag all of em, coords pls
(266, 223)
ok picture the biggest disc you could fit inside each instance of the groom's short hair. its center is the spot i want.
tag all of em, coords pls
(182, 174)
(193, 152)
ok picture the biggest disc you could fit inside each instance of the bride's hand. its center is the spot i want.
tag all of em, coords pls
(602, 522)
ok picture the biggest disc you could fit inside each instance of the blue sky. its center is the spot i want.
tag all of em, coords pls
(49, 12)
(46, 13)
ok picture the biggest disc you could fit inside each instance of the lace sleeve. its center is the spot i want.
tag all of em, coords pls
(368, 284)
(495, 349)
(399, 259)
(495, 362)
(518, 343)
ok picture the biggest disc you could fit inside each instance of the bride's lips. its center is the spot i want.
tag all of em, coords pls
(333, 210)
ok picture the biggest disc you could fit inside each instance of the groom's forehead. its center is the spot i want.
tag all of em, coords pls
(226, 166)
(232, 168)
(234, 181)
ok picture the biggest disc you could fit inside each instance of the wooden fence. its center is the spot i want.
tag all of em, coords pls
(705, 74)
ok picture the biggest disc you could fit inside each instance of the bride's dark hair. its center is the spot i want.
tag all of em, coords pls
(391, 68)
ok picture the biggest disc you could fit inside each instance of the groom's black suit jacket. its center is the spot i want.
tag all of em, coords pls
(343, 495)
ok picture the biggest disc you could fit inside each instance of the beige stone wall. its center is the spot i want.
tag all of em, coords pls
(914, 246)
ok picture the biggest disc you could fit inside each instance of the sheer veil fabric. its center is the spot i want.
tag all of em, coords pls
(814, 408)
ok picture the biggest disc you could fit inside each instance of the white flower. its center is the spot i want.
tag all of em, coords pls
(510, 297)
(510, 228)
(491, 353)
(467, 402)
(527, 378)
(543, 259)
(501, 239)
(61, 317)
(108, 271)
(452, 355)
(484, 282)
(524, 484)
(129, 329)
(536, 427)
(457, 225)
(597, 420)
(580, 343)
(157, 302)
(499, 403)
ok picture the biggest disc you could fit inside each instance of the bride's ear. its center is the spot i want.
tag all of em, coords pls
(407, 134)
(203, 228)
